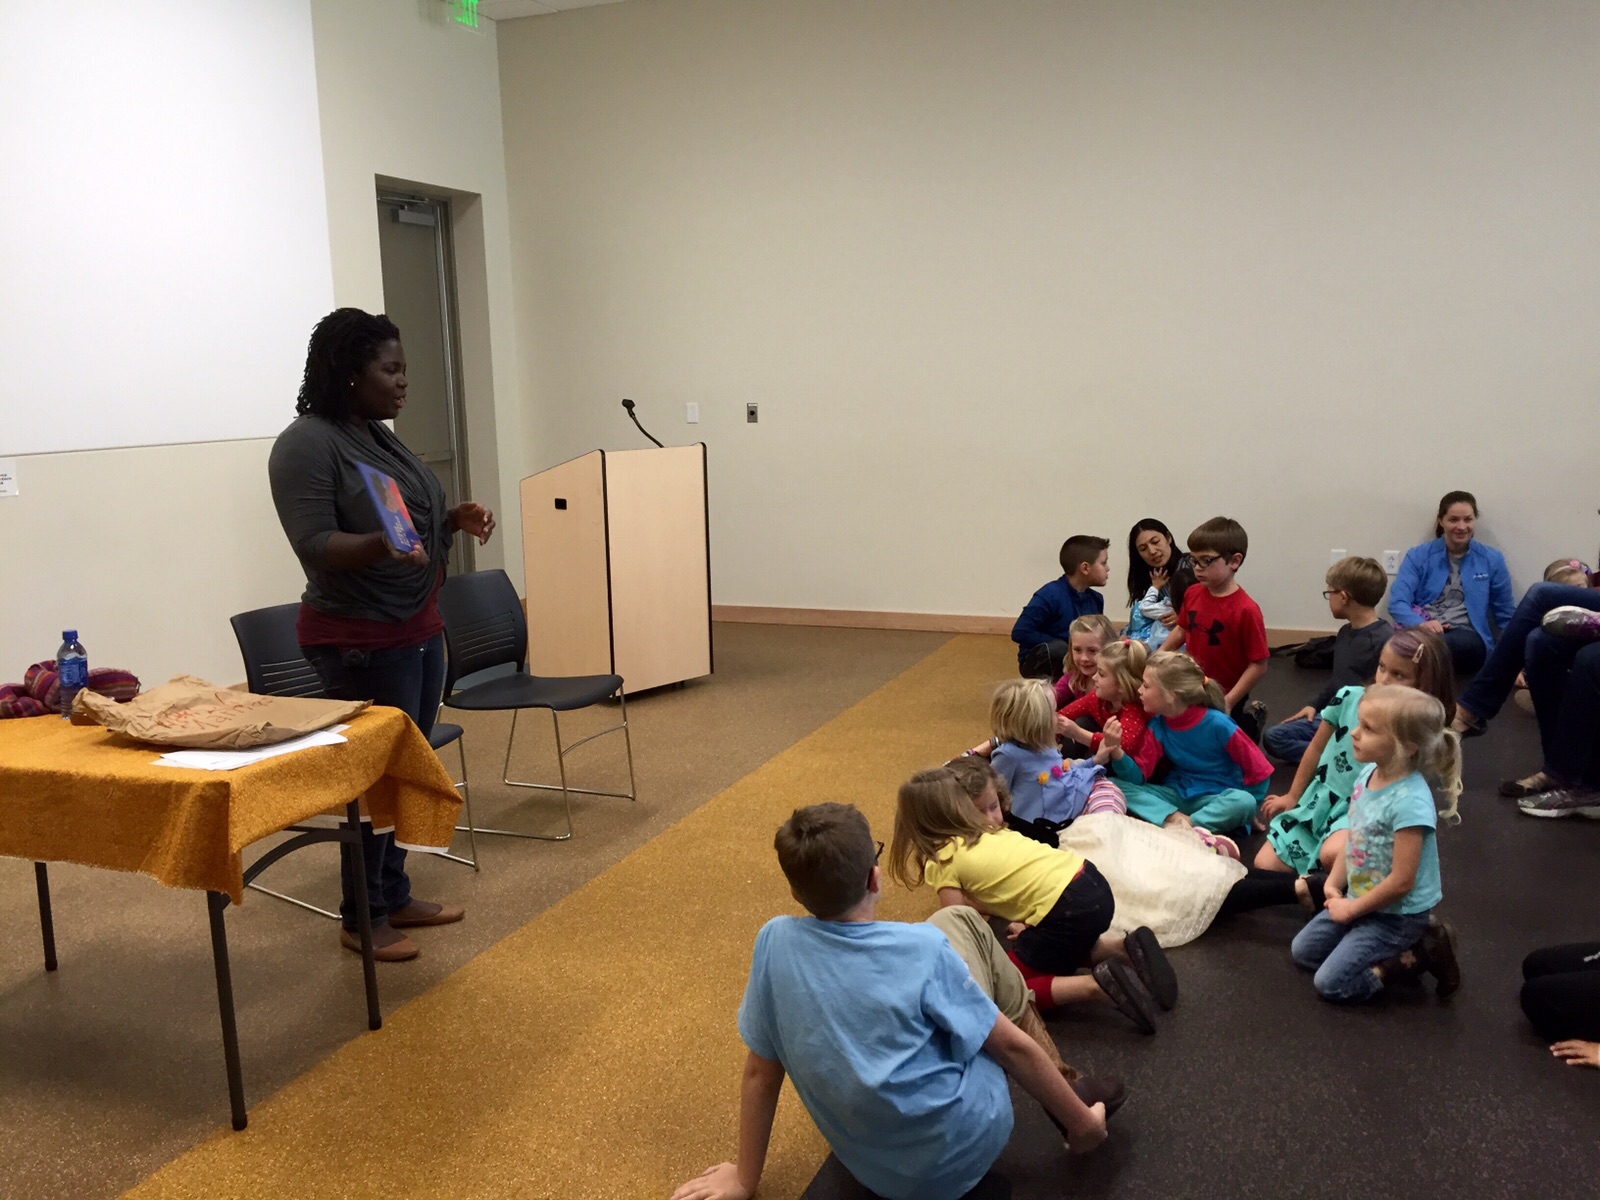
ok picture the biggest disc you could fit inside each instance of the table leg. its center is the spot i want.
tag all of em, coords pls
(369, 965)
(217, 902)
(47, 925)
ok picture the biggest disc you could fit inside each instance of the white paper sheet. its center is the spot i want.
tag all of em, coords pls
(229, 760)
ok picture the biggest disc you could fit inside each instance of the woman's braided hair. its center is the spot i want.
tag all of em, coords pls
(341, 346)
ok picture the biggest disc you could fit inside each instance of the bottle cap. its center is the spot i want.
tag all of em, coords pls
(69, 635)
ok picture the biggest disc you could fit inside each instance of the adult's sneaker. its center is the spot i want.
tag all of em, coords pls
(1562, 802)
(1573, 622)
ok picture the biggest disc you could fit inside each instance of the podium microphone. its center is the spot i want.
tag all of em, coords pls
(634, 417)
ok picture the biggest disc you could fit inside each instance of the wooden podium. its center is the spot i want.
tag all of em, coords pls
(617, 565)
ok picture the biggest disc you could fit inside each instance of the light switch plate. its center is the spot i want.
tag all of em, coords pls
(691, 413)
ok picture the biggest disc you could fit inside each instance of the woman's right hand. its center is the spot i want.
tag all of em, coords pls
(417, 558)
(1432, 626)
(1170, 619)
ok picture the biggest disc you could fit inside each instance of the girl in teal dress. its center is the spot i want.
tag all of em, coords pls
(1307, 825)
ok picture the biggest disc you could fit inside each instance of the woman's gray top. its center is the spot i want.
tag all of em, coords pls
(317, 491)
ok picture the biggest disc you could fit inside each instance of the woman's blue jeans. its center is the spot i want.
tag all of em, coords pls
(1493, 683)
(410, 678)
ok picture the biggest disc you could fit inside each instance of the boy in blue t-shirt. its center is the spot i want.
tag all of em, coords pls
(896, 1052)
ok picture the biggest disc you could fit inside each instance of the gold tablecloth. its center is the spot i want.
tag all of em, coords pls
(71, 793)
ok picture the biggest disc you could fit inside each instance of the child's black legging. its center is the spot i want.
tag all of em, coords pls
(1561, 992)
(1259, 889)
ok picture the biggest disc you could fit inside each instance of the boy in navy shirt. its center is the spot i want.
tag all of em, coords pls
(896, 1052)
(1041, 632)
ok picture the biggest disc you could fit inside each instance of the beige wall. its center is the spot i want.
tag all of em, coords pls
(149, 551)
(1000, 273)
(410, 97)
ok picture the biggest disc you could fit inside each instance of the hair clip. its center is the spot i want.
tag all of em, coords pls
(1417, 656)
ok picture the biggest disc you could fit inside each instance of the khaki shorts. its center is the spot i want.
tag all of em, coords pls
(975, 942)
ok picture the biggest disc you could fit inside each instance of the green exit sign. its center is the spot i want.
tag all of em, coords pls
(467, 13)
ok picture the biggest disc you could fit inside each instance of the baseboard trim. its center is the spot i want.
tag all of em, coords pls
(847, 618)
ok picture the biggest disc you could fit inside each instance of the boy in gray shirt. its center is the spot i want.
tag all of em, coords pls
(1355, 589)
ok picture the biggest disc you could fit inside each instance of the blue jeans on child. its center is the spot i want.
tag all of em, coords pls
(1343, 955)
(410, 678)
(1287, 740)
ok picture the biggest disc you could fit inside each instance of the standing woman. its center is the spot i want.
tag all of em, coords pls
(369, 619)
(1454, 586)
(1158, 576)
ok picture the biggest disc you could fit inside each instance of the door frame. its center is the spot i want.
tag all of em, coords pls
(438, 207)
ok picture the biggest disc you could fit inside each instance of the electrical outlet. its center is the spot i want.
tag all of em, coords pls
(1335, 555)
(752, 413)
(691, 413)
(1391, 562)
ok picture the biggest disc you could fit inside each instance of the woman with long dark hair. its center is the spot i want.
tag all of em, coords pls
(1158, 575)
(369, 620)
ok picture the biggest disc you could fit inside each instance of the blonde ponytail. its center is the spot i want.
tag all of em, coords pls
(1419, 723)
(1180, 675)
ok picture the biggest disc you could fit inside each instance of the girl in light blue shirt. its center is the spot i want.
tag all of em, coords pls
(1377, 925)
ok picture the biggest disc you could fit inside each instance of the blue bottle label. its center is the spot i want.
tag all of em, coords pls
(74, 674)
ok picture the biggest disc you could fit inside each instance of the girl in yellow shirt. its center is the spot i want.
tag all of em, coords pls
(1059, 906)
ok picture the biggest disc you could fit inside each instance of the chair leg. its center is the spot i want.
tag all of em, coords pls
(466, 799)
(627, 740)
(505, 777)
(266, 891)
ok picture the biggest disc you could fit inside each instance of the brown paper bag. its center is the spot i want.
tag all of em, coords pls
(198, 715)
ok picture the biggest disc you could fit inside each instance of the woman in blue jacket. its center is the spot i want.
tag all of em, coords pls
(1454, 586)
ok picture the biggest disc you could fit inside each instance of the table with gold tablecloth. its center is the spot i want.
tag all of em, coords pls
(72, 793)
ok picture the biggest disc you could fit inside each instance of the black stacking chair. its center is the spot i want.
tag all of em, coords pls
(484, 627)
(274, 666)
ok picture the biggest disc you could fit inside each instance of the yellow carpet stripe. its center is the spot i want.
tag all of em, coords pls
(593, 1052)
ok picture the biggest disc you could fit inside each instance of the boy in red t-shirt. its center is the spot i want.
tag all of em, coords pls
(1220, 626)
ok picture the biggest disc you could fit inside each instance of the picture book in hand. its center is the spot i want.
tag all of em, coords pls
(398, 530)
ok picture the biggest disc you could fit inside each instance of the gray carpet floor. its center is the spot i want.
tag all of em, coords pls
(1253, 1087)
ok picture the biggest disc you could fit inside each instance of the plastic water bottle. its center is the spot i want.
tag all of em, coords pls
(73, 664)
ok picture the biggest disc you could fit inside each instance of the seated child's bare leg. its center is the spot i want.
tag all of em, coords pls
(1331, 845)
(1076, 989)
(1109, 945)
(1267, 859)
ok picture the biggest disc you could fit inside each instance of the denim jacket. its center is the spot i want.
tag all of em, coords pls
(1485, 585)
